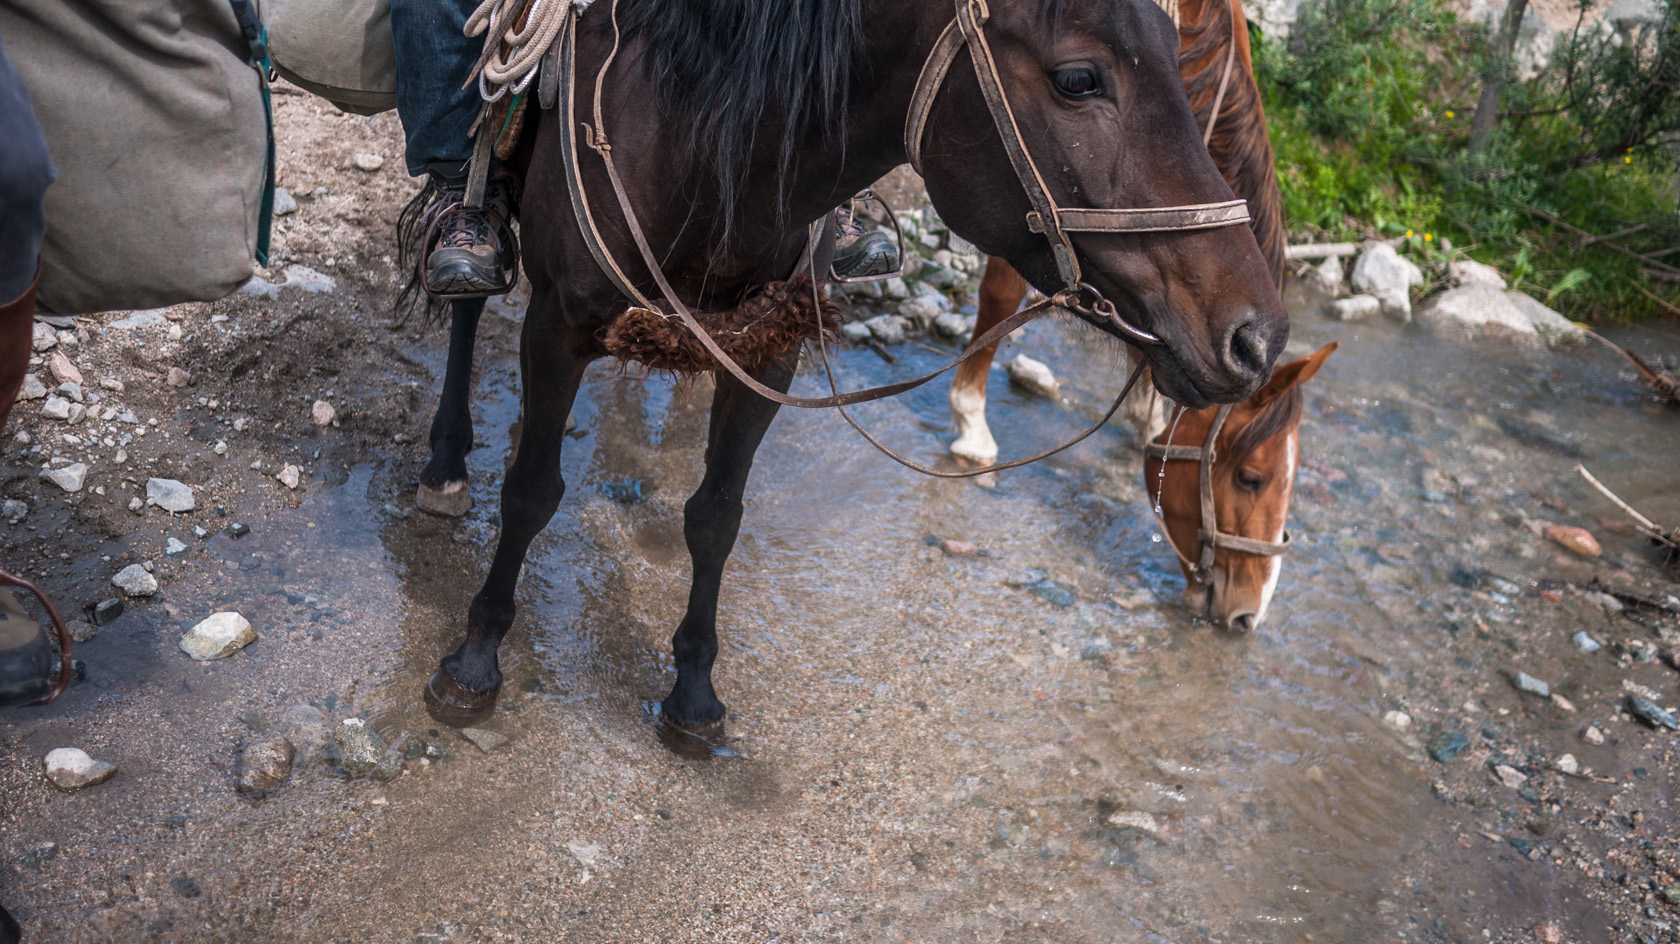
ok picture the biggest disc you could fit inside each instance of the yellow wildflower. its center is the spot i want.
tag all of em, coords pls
(1428, 238)
(1449, 114)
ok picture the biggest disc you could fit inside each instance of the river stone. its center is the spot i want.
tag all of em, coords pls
(70, 478)
(56, 408)
(1553, 328)
(954, 324)
(939, 276)
(315, 283)
(920, 311)
(1478, 310)
(1528, 683)
(135, 581)
(1568, 764)
(369, 162)
(1033, 376)
(70, 768)
(1647, 711)
(265, 765)
(170, 495)
(361, 751)
(107, 610)
(1471, 272)
(289, 476)
(1381, 271)
(1579, 540)
(888, 329)
(33, 388)
(81, 630)
(72, 391)
(306, 727)
(1586, 643)
(62, 370)
(484, 739)
(322, 413)
(856, 332)
(1354, 308)
(178, 377)
(284, 203)
(1136, 819)
(1509, 776)
(174, 547)
(1328, 276)
(1445, 748)
(13, 510)
(220, 635)
(43, 338)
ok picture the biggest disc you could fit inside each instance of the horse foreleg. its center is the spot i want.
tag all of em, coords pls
(552, 359)
(1001, 291)
(443, 483)
(711, 521)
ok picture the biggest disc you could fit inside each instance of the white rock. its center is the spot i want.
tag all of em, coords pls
(260, 288)
(217, 637)
(895, 287)
(178, 377)
(920, 310)
(135, 581)
(284, 203)
(1509, 776)
(585, 852)
(1136, 819)
(369, 162)
(170, 495)
(1381, 271)
(140, 319)
(1398, 720)
(1471, 272)
(33, 388)
(322, 413)
(44, 338)
(1568, 764)
(888, 329)
(1553, 328)
(1478, 311)
(56, 408)
(70, 768)
(309, 280)
(1034, 376)
(1592, 735)
(69, 478)
(289, 476)
(1328, 276)
(1354, 308)
(856, 332)
(954, 324)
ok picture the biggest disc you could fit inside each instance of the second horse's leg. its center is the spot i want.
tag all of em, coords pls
(1001, 291)
(552, 359)
(443, 483)
(711, 521)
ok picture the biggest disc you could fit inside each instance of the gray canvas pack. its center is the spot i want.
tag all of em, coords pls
(340, 50)
(157, 127)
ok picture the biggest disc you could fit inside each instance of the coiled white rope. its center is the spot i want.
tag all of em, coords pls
(511, 52)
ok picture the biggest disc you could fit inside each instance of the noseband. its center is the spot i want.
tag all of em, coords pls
(1047, 218)
(1208, 528)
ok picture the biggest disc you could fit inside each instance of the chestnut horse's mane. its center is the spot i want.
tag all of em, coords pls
(1239, 145)
(1279, 415)
(724, 69)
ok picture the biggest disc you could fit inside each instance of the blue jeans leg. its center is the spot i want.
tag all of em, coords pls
(25, 173)
(433, 59)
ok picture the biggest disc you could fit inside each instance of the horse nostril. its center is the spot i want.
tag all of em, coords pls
(1245, 347)
(1241, 622)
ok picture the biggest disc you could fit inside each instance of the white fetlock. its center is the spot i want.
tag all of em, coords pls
(974, 438)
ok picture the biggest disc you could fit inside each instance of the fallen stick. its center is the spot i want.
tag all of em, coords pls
(1659, 381)
(1656, 298)
(1646, 525)
(1321, 250)
(1654, 262)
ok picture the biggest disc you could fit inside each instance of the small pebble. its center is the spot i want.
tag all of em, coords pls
(1579, 540)
(323, 413)
(1586, 643)
(1592, 735)
(1649, 712)
(1528, 683)
(1568, 764)
(1509, 776)
(369, 162)
(70, 768)
(1398, 720)
(218, 636)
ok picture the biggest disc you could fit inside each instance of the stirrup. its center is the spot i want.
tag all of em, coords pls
(501, 232)
(26, 671)
(866, 197)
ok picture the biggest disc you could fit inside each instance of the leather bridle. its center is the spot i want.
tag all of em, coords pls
(1207, 530)
(1054, 222)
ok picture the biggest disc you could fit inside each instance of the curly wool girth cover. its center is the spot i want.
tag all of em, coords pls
(777, 317)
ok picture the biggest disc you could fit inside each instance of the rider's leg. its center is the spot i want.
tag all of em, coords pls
(472, 254)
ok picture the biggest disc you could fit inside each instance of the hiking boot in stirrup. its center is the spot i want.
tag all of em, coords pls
(475, 249)
(860, 254)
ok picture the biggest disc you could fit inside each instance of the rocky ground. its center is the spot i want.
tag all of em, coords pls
(1514, 777)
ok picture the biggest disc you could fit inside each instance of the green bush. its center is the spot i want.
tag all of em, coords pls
(1370, 103)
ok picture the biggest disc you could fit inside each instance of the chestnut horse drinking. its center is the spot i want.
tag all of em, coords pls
(1250, 475)
(734, 123)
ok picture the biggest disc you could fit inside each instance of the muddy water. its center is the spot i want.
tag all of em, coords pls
(1036, 744)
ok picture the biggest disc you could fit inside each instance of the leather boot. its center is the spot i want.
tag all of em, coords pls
(17, 332)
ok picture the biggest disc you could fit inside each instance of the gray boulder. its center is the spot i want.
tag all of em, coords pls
(70, 478)
(888, 329)
(170, 495)
(1471, 272)
(1354, 308)
(1481, 310)
(135, 581)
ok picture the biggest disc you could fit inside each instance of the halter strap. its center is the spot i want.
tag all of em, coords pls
(1207, 531)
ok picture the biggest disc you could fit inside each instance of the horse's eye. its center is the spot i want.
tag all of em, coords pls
(1250, 480)
(1077, 83)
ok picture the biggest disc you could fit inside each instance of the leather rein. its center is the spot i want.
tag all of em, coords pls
(1207, 529)
(1046, 218)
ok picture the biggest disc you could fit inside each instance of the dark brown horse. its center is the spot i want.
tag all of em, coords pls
(735, 122)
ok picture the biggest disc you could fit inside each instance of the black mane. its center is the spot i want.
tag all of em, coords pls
(721, 68)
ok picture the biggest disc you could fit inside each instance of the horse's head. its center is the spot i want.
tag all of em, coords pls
(1251, 480)
(1094, 89)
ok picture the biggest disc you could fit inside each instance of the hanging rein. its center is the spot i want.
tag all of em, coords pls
(1047, 218)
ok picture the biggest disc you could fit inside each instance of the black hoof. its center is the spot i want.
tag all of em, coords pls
(455, 705)
(695, 741)
(449, 500)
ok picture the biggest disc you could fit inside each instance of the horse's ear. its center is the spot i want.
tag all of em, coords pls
(1293, 374)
